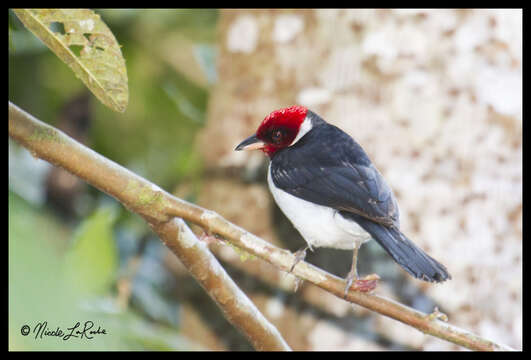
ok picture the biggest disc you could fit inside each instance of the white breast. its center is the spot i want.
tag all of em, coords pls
(320, 226)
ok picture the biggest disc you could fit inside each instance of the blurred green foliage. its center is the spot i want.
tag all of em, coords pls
(91, 262)
(66, 271)
(154, 136)
(40, 285)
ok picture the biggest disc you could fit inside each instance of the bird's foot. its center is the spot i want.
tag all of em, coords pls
(299, 255)
(366, 284)
(298, 284)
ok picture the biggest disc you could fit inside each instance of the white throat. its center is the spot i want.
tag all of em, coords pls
(303, 130)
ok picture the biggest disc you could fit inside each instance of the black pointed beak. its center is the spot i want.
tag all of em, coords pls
(251, 143)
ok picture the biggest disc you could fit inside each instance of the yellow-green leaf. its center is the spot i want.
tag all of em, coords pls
(82, 40)
(91, 263)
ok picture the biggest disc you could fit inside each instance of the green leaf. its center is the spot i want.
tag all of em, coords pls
(92, 261)
(82, 40)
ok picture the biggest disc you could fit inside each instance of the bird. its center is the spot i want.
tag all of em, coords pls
(326, 185)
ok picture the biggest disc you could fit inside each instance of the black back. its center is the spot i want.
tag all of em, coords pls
(327, 167)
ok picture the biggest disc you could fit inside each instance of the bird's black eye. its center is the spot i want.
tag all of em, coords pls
(277, 136)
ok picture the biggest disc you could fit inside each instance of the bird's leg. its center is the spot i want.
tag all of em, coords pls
(353, 273)
(300, 255)
(366, 284)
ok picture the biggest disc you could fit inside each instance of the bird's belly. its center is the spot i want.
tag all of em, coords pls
(320, 226)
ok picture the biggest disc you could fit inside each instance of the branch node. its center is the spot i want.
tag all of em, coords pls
(437, 315)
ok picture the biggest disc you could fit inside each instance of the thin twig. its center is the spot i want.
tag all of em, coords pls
(158, 206)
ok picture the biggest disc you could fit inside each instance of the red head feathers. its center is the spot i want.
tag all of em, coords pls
(277, 131)
(280, 128)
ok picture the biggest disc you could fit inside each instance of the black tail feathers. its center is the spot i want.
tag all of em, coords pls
(408, 255)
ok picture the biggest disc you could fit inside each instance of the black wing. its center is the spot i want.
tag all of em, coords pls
(329, 168)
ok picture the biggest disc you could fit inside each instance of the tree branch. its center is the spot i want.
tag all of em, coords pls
(205, 268)
(148, 200)
(158, 207)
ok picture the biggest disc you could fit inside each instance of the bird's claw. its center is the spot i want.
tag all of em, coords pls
(298, 284)
(366, 284)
